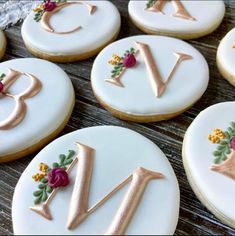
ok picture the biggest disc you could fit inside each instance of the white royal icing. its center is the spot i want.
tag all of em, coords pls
(208, 14)
(226, 53)
(217, 189)
(137, 98)
(97, 29)
(45, 111)
(118, 152)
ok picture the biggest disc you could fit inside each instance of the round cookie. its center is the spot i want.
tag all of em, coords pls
(70, 31)
(149, 78)
(36, 100)
(226, 57)
(134, 173)
(182, 19)
(3, 44)
(209, 159)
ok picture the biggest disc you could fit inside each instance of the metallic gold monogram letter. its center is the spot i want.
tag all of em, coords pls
(48, 14)
(19, 111)
(180, 11)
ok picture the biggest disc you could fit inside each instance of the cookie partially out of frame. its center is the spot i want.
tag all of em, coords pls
(177, 18)
(226, 57)
(94, 181)
(149, 78)
(70, 31)
(36, 100)
(209, 159)
(3, 44)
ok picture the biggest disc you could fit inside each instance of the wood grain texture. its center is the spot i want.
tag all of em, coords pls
(168, 135)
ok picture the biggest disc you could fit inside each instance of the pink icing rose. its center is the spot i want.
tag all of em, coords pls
(49, 6)
(233, 143)
(1, 87)
(57, 177)
(129, 61)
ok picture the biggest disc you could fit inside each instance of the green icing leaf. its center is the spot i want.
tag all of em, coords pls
(38, 200)
(55, 165)
(62, 158)
(37, 193)
(150, 3)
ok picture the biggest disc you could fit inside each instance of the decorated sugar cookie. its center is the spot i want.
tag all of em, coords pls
(65, 31)
(2, 44)
(149, 78)
(36, 100)
(209, 159)
(95, 181)
(182, 19)
(226, 57)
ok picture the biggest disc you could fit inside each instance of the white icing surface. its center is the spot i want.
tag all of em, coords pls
(206, 13)
(226, 53)
(118, 152)
(198, 153)
(97, 29)
(137, 97)
(46, 111)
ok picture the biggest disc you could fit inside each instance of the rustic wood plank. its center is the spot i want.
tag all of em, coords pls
(168, 135)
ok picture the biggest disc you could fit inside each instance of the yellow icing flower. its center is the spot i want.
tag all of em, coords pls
(38, 177)
(43, 167)
(216, 136)
(112, 62)
(115, 60)
(38, 8)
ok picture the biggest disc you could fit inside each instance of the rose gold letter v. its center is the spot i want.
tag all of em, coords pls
(19, 111)
(48, 14)
(155, 78)
(180, 11)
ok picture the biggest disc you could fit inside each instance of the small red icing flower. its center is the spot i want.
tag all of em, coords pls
(49, 6)
(58, 177)
(129, 61)
(1, 87)
(233, 143)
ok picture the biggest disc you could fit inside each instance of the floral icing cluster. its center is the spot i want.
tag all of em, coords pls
(1, 84)
(52, 178)
(150, 3)
(121, 63)
(225, 141)
(47, 5)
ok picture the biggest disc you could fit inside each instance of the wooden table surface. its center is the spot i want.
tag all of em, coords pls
(168, 135)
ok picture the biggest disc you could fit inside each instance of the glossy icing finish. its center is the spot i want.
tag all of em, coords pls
(137, 96)
(45, 112)
(226, 54)
(216, 190)
(95, 30)
(20, 109)
(118, 152)
(168, 21)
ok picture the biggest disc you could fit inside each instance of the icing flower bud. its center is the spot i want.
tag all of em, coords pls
(49, 6)
(1, 87)
(233, 143)
(58, 177)
(129, 61)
